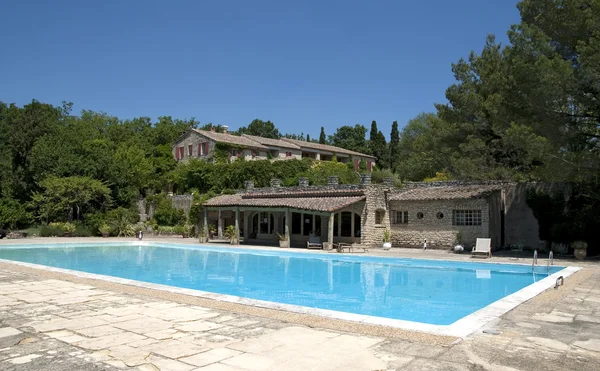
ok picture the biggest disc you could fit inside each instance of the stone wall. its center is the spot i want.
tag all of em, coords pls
(436, 224)
(371, 232)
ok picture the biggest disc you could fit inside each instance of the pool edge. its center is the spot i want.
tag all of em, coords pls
(461, 328)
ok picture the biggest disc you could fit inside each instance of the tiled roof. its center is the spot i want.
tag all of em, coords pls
(328, 204)
(444, 193)
(286, 193)
(271, 142)
(325, 147)
(230, 138)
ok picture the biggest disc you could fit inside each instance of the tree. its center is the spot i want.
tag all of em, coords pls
(322, 137)
(351, 137)
(70, 198)
(378, 147)
(307, 137)
(260, 128)
(394, 146)
(13, 214)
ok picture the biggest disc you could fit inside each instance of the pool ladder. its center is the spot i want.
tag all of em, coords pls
(550, 260)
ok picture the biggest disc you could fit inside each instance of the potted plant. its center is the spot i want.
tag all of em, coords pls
(458, 247)
(203, 235)
(211, 231)
(580, 249)
(386, 240)
(231, 235)
(187, 230)
(104, 230)
(283, 240)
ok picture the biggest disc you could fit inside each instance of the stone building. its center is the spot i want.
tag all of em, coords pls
(204, 144)
(442, 214)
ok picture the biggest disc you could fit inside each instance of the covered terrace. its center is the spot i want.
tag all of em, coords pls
(263, 218)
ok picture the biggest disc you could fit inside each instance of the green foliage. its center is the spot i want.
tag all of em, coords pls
(378, 176)
(260, 128)
(50, 231)
(320, 171)
(322, 137)
(230, 233)
(13, 214)
(351, 137)
(104, 228)
(70, 198)
(165, 213)
(386, 235)
(378, 146)
(82, 231)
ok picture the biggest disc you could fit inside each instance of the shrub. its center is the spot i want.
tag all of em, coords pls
(165, 230)
(82, 231)
(165, 213)
(50, 231)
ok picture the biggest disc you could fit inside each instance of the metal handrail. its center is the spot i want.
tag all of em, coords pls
(550, 260)
(562, 282)
(534, 262)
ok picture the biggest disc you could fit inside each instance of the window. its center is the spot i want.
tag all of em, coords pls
(369, 166)
(440, 215)
(400, 217)
(466, 217)
(288, 154)
(253, 154)
(181, 149)
(420, 215)
(190, 150)
(379, 214)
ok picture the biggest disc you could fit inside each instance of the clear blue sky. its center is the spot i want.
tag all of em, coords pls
(301, 64)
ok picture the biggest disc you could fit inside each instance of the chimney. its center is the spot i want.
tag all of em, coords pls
(332, 180)
(303, 181)
(365, 179)
(225, 129)
(275, 183)
(212, 128)
(249, 185)
(388, 182)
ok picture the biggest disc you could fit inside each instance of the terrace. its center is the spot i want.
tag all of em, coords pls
(62, 321)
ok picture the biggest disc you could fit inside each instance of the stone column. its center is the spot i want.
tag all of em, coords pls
(302, 224)
(330, 232)
(288, 220)
(220, 226)
(237, 226)
(246, 232)
(205, 223)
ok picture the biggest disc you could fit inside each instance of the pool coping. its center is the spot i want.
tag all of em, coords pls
(460, 328)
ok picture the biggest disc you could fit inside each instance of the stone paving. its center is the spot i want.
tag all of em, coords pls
(72, 324)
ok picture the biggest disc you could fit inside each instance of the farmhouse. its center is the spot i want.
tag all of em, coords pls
(210, 144)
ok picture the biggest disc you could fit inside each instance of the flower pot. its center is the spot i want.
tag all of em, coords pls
(284, 244)
(105, 234)
(387, 245)
(580, 253)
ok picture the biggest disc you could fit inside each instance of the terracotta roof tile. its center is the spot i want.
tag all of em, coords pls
(230, 138)
(271, 142)
(325, 147)
(328, 204)
(444, 193)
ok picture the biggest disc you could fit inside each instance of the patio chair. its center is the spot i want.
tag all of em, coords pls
(340, 246)
(314, 242)
(483, 247)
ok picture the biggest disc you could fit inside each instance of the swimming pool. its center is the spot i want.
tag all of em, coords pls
(430, 292)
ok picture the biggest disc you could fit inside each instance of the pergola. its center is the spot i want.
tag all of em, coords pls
(317, 203)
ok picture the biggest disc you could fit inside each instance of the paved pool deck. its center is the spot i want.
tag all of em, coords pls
(57, 321)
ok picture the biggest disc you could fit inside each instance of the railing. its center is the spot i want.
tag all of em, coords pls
(550, 260)
(534, 262)
(562, 282)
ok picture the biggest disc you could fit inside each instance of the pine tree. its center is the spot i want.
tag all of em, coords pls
(394, 146)
(308, 137)
(322, 138)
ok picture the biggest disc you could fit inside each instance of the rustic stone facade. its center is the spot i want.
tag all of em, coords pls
(435, 224)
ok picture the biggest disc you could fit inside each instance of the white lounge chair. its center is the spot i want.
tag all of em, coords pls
(483, 247)
(314, 242)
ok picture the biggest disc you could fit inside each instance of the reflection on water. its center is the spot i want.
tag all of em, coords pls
(429, 295)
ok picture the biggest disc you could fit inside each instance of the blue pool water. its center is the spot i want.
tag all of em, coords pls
(427, 291)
